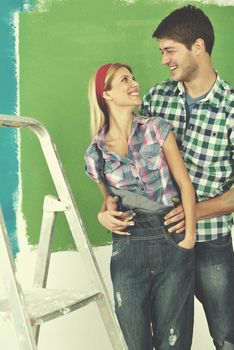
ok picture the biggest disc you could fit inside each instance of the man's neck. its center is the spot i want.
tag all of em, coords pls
(203, 83)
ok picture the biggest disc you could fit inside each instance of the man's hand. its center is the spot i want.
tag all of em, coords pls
(176, 215)
(116, 221)
(210, 208)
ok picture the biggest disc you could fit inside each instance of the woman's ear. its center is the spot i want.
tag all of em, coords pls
(106, 95)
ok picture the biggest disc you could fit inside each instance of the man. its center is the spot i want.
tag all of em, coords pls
(200, 106)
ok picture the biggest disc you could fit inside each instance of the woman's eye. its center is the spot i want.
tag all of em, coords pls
(125, 79)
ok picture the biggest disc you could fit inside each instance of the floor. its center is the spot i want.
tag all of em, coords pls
(82, 329)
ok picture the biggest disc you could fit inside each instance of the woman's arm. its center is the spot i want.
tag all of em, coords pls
(112, 219)
(181, 176)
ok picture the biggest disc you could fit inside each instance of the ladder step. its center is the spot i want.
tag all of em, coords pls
(46, 304)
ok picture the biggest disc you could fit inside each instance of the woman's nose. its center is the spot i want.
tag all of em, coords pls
(135, 83)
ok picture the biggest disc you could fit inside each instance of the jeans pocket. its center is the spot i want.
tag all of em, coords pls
(175, 239)
(221, 242)
(118, 247)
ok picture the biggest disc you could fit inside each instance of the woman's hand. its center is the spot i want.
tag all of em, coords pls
(111, 203)
(187, 243)
(116, 221)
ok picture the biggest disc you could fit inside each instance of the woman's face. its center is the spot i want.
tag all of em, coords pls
(124, 89)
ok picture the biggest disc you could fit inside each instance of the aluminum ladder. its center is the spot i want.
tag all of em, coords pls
(31, 308)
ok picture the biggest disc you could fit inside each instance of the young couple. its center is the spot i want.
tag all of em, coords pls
(182, 140)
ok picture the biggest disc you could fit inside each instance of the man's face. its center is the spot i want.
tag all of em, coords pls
(181, 61)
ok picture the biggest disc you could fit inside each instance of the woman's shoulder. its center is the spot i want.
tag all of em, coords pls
(92, 159)
(93, 151)
(155, 121)
(158, 128)
(92, 148)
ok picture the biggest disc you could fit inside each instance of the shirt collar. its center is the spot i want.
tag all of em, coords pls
(213, 97)
(179, 89)
(138, 119)
(99, 139)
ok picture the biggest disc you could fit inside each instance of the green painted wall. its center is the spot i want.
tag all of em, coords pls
(59, 50)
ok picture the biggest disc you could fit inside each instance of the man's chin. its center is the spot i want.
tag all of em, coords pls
(175, 78)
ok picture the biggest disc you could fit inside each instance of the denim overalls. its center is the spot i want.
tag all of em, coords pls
(153, 282)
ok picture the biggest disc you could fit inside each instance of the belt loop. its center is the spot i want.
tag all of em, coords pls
(165, 233)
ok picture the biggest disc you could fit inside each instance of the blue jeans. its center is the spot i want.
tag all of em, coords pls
(153, 282)
(214, 288)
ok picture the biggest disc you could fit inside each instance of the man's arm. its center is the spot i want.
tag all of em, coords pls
(210, 208)
(221, 205)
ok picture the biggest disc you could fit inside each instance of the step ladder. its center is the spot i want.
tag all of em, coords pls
(30, 309)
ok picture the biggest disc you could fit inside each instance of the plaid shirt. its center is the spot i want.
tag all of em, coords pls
(144, 170)
(205, 140)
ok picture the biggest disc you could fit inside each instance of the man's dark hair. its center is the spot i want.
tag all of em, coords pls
(186, 25)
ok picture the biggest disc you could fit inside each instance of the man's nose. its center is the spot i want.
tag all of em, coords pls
(165, 59)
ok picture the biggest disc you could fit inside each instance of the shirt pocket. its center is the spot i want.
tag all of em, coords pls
(152, 162)
(209, 148)
(114, 172)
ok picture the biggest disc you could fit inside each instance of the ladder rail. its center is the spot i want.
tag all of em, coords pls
(43, 255)
(50, 208)
(56, 170)
(15, 295)
(43, 258)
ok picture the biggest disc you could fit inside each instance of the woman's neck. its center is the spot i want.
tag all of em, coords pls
(120, 125)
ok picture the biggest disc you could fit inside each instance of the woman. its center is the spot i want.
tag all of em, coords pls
(151, 269)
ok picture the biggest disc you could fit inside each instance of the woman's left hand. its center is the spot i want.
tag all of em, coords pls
(187, 243)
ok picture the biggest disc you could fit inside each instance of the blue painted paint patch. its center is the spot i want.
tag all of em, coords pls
(9, 167)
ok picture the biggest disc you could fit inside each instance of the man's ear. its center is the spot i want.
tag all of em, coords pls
(107, 96)
(199, 46)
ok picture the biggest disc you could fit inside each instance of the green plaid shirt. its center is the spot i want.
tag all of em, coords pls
(205, 139)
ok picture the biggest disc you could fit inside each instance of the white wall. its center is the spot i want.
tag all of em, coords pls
(83, 328)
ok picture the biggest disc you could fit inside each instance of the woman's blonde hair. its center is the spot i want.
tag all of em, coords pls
(97, 118)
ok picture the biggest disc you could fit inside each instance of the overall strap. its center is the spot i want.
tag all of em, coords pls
(102, 173)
